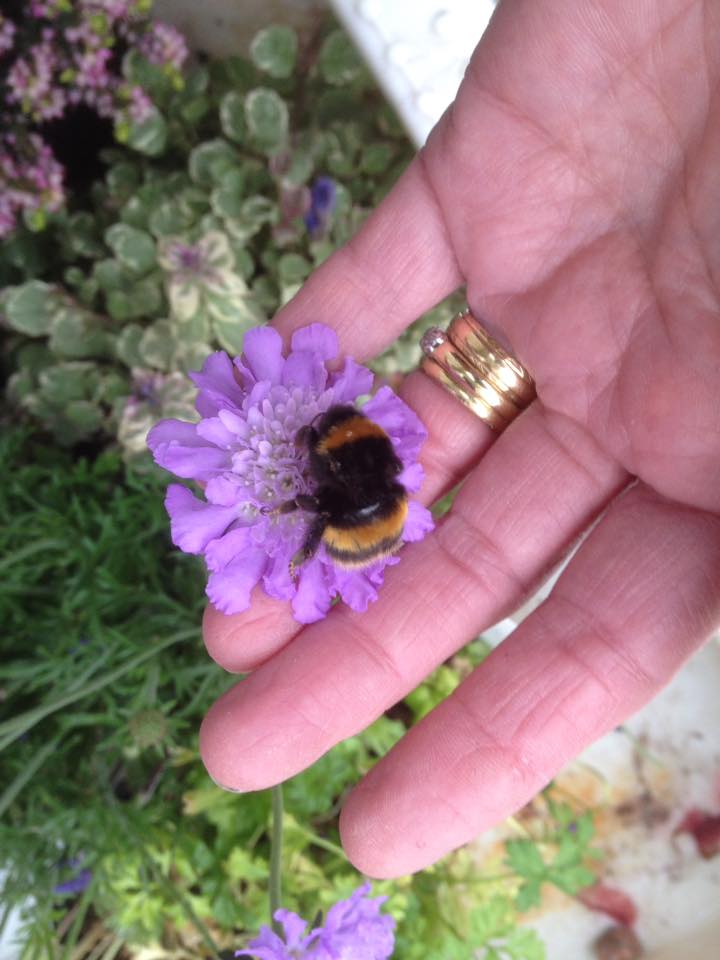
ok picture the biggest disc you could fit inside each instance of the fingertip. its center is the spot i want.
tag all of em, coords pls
(221, 748)
(374, 847)
(240, 642)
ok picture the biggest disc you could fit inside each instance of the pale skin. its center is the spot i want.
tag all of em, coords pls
(574, 186)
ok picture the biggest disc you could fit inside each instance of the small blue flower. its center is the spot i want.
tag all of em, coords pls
(323, 197)
(76, 884)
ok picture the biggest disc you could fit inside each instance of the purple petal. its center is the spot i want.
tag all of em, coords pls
(318, 339)
(412, 477)
(304, 369)
(194, 523)
(217, 385)
(355, 588)
(222, 551)
(262, 352)
(229, 589)
(277, 580)
(177, 447)
(266, 946)
(418, 523)
(352, 382)
(294, 927)
(214, 431)
(225, 490)
(356, 930)
(312, 599)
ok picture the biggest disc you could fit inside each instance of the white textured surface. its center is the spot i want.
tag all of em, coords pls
(418, 50)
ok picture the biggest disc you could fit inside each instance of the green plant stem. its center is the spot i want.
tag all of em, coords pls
(321, 842)
(275, 882)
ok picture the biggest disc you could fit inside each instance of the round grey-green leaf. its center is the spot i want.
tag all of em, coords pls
(77, 333)
(293, 268)
(267, 118)
(127, 345)
(232, 116)
(339, 61)
(30, 308)
(274, 50)
(230, 320)
(209, 161)
(134, 248)
(157, 345)
(150, 136)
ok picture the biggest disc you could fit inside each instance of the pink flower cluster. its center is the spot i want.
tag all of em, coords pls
(27, 186)
(7, 34)
(164, 46)
(62, 54)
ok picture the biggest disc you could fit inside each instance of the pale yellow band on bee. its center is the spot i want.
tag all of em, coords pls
(368, 539)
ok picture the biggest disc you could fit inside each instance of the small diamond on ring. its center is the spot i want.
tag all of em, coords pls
(433, 338)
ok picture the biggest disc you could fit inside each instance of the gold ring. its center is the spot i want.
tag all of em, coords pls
(476, 370)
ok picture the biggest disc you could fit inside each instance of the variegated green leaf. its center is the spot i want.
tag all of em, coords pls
(274, 50)
(216, 252)
(267, 118)
(170, 218)
(184, 296)
(156, 345)
(232, 116)
(127, 344)
(150, 136)
(134, 248)
(77, 333)
(210, 160)
(231, 320)
(30, 307)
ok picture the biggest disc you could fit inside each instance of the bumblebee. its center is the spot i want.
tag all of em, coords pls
(358, 504)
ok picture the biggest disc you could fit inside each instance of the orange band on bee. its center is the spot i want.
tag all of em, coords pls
(355, 428)
(365, 536)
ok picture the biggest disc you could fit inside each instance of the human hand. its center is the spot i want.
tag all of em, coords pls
(574, 187)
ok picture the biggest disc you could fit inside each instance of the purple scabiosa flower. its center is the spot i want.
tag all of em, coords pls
(243, 451)
(323, 196)
(354, 930)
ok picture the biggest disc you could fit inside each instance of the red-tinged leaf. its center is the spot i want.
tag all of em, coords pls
(611, 901)
(705, 830)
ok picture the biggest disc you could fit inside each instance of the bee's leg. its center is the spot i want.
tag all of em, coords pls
(312, 542)
(301, 502)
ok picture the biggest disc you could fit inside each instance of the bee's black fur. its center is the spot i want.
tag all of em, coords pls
(357, 487)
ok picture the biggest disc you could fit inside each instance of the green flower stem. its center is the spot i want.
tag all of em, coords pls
(275, 882)
(321, 842)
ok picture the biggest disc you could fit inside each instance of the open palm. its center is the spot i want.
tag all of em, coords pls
(574, 187)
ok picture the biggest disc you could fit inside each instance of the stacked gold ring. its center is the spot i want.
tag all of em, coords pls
(476, 370)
